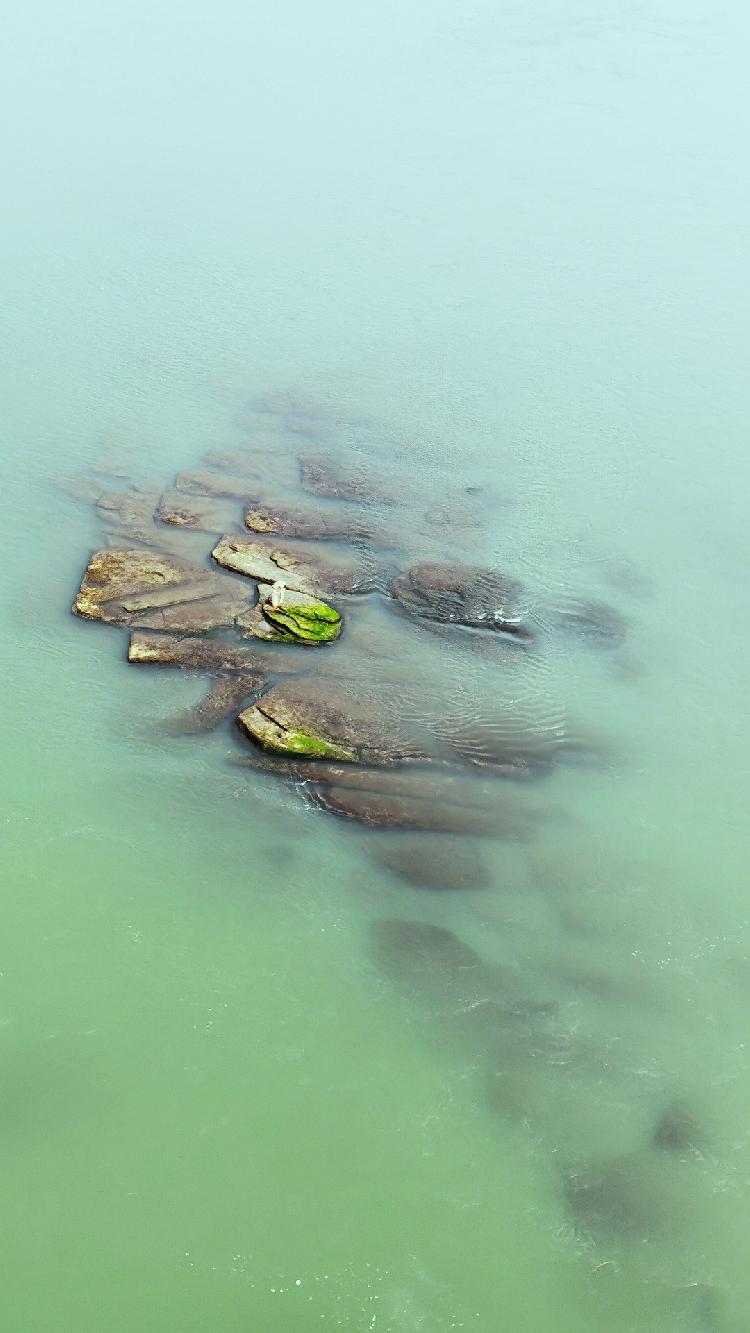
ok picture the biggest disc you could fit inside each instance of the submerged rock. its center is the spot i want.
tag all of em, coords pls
(621, 1196)
(594, 623)
(678, 1130)
(338, 481)
(224, 697)
(462, 595)
(385, 810)
(220, 484)
(195, 511)
(310, 524)
(434, 862)
(201, 654)
(302, 570)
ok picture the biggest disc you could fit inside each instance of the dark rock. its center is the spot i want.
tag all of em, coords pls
(428, 959)
(224, 698)
(434, 863)
(461, 595)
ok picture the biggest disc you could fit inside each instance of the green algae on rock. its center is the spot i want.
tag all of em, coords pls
(310, 622)
(277, 738)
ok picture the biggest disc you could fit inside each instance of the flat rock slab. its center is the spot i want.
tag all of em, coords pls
(460, 595)
(336, 480)
(150, 590)
(204, 512)
(193, 653)
(307, 523)
(318, 573)
(326, 719)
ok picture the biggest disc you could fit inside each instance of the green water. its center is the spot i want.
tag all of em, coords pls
(513, 236)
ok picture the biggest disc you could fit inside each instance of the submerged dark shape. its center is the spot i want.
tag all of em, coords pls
(426, 957)
(384, 810)
(462, 595)
(678, 1129)
(595, 623)
(244, 488)
(433, 862)
(623, 1196)
(336, 480)
(204, 512)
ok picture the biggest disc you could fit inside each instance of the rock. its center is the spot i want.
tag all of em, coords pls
(318, 573)
(678, 1130)
(460, 595)
(195, 511)
(300, 618)
(127, 509)
(80, 486)
(390, 811)
(155, 591)
(595, 623)
(325, 719)
(515, 744)
(434, 862)
(224, 697)
(202, 654)
(219, 484)
(310, 524)
(339, 481)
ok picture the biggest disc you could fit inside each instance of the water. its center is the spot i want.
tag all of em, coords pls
(512, 236)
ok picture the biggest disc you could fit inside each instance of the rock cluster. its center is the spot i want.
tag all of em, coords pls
(232, 569)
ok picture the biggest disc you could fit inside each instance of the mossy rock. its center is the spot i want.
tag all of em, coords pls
(273, 736)
(312, 622)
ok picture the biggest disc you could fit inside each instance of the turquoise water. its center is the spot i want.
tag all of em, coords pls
(512, 237)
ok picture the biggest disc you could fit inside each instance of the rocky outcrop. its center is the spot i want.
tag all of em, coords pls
(221, 484)
(226, 695)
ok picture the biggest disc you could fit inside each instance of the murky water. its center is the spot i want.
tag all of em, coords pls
(510, 237)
